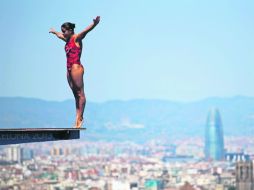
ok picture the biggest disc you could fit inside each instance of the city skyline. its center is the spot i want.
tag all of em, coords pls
(119, 166)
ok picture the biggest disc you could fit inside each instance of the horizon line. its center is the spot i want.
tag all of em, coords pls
(135, 99)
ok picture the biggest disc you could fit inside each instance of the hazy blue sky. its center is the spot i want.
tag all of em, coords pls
(177, 50)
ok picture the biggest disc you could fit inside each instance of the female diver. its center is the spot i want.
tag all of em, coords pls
(75, 69)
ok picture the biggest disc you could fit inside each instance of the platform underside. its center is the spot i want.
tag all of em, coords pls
(29, 135)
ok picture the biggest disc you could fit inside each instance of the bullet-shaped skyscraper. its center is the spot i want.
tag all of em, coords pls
(214, 142)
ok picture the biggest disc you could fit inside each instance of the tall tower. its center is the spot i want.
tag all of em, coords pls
(244, 176)
(214, 142)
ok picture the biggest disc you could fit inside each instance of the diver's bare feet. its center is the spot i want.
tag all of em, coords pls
(80, 122)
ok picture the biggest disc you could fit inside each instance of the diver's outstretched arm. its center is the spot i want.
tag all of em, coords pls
(82, 34)
(58, 34)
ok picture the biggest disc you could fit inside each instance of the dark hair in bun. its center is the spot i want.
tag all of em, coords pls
(68, 25)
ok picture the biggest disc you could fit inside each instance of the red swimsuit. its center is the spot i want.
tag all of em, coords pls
(73, 53)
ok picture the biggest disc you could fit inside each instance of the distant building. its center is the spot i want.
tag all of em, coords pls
(178, 158)
(134, 186)
(214, 142)
(237, 157)
(13, 154)
(244, 176)
(153, 184)
(187, 186)
(56, 151)
(118, 185)
(26, 154)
